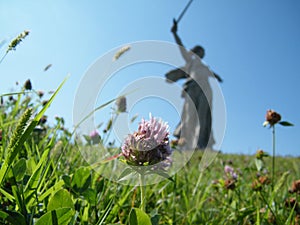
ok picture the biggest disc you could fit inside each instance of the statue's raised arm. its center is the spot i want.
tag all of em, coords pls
(185, 54)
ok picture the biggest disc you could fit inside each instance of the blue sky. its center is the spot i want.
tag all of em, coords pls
(253, 45)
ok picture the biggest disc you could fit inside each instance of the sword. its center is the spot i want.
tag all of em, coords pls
(183, 11)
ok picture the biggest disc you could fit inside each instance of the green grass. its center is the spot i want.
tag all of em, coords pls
(44, 179)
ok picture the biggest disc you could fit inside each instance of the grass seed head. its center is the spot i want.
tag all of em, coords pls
(121, 104)
(121, 52)
(14, 43)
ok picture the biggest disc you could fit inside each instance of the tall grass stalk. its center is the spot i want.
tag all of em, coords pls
(143, 191)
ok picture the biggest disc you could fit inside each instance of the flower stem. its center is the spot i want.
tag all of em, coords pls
(273, 158)
(143, 189)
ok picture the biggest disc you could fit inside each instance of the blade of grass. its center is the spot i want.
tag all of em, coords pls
(13, 93)
(16, 108)
(7, 195)
(125, 194)
(47, 166)
(91, 113)
(289, 220)
(27, 133)
(257, 216)
(105, 213)
(55, 187)
(98, 108)
(33, 181)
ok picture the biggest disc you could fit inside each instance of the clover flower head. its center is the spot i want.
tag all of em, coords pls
(94, 133)
(264, 180)
(229, 171)
(291, 202)
(229, 184)
(260, 154)
(149, 145)
(95, 137)
(272, 117)
(295, 187)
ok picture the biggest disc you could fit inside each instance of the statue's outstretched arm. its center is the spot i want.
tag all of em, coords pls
(185, 54)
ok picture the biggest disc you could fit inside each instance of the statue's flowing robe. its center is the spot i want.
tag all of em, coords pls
(195, 126)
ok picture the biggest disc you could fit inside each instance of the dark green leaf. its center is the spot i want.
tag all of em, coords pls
(67, 180)
(155, 219)
(91, 196)
(61, 199)
(19, 199)
(19, 169)
(99, 185)
(7, 195)
(34, 180)
(81, 179)
(60, 216)
(286, 124)
(13, 218)
(139, 217)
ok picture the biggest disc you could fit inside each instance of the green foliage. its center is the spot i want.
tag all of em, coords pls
(48, 182)
(286, 123)
(13, 218)
(139, 217)
(81, 180)
(61, 199)
(60, 216)
(45, 180)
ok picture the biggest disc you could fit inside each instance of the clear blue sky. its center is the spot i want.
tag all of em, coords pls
(253, 45)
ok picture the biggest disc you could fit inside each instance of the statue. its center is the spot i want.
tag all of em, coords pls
(198, 98)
